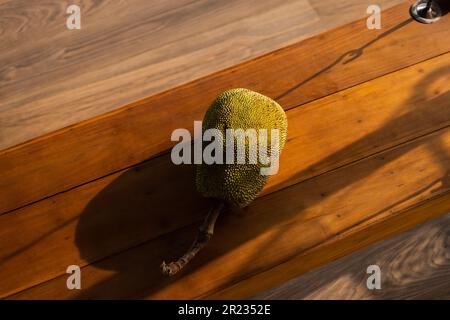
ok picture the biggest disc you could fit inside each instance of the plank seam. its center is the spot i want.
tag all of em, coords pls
(36, 194)
(165, 92)
(164, 153)
(333, 239)
(191, 225)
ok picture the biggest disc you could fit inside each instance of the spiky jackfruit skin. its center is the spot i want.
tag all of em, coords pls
(239, 184)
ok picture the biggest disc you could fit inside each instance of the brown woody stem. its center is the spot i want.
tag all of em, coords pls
(205, 233)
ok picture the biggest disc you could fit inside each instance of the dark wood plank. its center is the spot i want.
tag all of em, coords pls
(138, 203)
(95, 148)
(277, 231)
(414, 265)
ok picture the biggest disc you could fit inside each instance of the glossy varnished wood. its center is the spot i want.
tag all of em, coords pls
(414, 265)
(280, 235)
(377, 165)
(340, 246)
(51, 77)
(137, 205)
(295, 75)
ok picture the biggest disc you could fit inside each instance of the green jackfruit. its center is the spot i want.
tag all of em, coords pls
(233, 183)
(239, 184)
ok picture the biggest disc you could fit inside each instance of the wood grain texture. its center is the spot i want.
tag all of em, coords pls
(342, 245)
(52, 77)
(136, 203)
(276, 228)
(414, 265)
(95, 148)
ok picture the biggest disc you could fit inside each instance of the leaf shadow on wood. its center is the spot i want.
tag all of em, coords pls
(345, 58)
(140, 203)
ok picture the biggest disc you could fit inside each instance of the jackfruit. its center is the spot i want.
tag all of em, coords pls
(239, 184)
(232, 183)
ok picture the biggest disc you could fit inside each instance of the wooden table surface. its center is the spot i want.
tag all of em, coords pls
(52, 77)
(367, 157)
(413, 265)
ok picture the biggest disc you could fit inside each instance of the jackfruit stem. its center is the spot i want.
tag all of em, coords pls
(204, 234)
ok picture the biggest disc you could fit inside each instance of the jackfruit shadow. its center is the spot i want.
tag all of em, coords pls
(151, 213)
(138, 205)
(345, 58)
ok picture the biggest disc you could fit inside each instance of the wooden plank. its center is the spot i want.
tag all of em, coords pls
(279, 228)
(354, 123)
(336, 248)
(52, 77)
(109, 143)
(414, 265)
(124, 52)
(138, 202)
